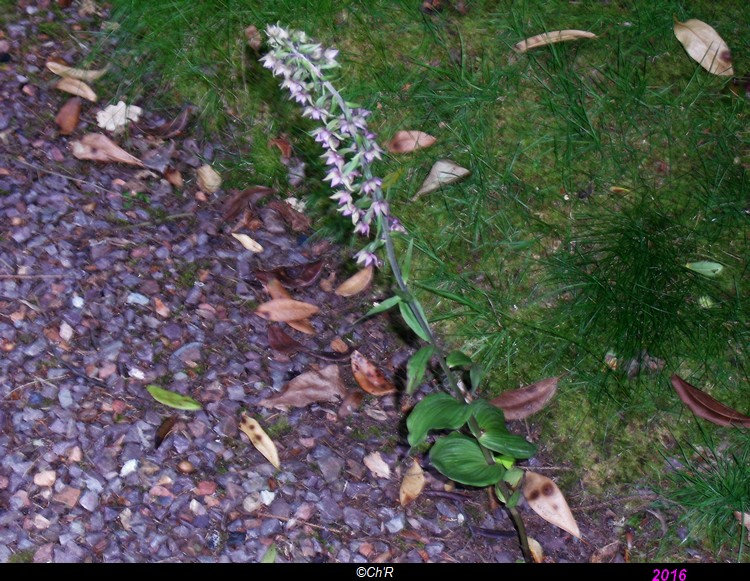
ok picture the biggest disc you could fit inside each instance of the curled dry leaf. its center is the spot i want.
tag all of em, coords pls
(298, 276)
(285, 310)
(240, 201)
(706, 407)
(351, 403)
(260, 439)
(369, 377)
(309, 387)
(98, 147)
(550, 38)
(407, 141)
(161, 309)
(355, 284)
(444, 172)
(545, 499)
(163, 431)
(248, 243)
(174, 177)
(412, 483)
(606, 554)
(173, 128)
(537, 553)
(253, 38)
(67, 117)
(283, 144)
(67, 72)
(518, 404)
(705, 46)
(278, 340)
(78, 88)
(208, 180)
(377, 465)
(298, 221)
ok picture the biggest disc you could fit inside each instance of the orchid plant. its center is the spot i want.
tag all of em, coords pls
(480, 451)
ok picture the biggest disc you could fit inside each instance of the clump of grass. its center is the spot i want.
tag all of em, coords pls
(712, 485)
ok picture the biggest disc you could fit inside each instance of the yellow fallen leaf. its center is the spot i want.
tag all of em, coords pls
(285, 310)
(260, 439)
(356, 283)
(248, 242)
(412, 484)
(77, 88)
(550, 38)
(536, 550)
(208, 180)
(73, 73)
(377, 465)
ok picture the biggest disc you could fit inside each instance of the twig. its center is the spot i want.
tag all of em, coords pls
(303, 522)
(62, 175)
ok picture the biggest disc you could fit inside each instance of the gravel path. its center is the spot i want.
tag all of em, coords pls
(110, 280)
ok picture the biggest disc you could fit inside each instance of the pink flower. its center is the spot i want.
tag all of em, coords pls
(367, 258)
(380, 208)
(363, 228)
(342, 197)
(371, 186)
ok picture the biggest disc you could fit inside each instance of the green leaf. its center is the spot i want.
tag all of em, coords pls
(513, 476)
(406, 264)
(438, 411)
(476, 374)
(705, 268)
(458, 359)
(270, 555)
(411, 320)
(416, 367)
(383, 306)
(514, 498)
(452, 296)
(512, 445)
(506, 461)
(172, 399)
(459, 458)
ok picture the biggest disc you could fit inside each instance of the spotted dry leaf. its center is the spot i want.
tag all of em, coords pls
(545, 499)
(369, 377)
(260, 439)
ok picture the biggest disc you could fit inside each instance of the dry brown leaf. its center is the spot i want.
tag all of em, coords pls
(260, 439)
(309, 387)
(67, 117)
(537, 553)
(174, 177)
(248, 243)
(163, 431)
(240, 201)
(98, 147)
(78, 88)
(407, 141)
(705, 46)
(67, 72)
(283, 144)
(355, 284)
(172, 128)
(545, 499)
(253, 37)
(297, 220)
(369, 377)
(606, 554)
(280, 341)
(208, 180)
(377, 465)
(303, 326)
(706, 407)
(285, 310)
(550, 38)
(518, 404)
(338, 345)
(276, 290)
(412, 483)
(444, 172)
(351, 403)
(161, 309)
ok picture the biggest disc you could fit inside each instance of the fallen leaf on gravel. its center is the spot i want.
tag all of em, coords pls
(545, 499)
(518, 404)
(172, 399)
(260, 439)
(280, 341)
(65, 71)
(377, 465)
(163, 431)
(298, 276)
(67, 117)
(161, 309)
(355, 284)
(444, 172)
(705, 46)
(239, 201)
(351, 403)
(296, 220)
(303, 326)
(161, 491)
(286, 310)
(174, 177)
(706, 407)
(369, 377)
(309, 387)
(339, 346)
(98, 147)
(113, 117)
(270, 555)
(253, 37)
(412, 483)
(606, 554)
(537, 552)
(78, 88)
(208, 180)
(160, 158)
(408, 141)
(550, 38)
(173, 128)
(248, 242)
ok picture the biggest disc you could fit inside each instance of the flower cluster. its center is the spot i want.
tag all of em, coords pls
(350, 148)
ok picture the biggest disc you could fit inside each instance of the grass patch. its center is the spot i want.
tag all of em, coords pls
(552, 267)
